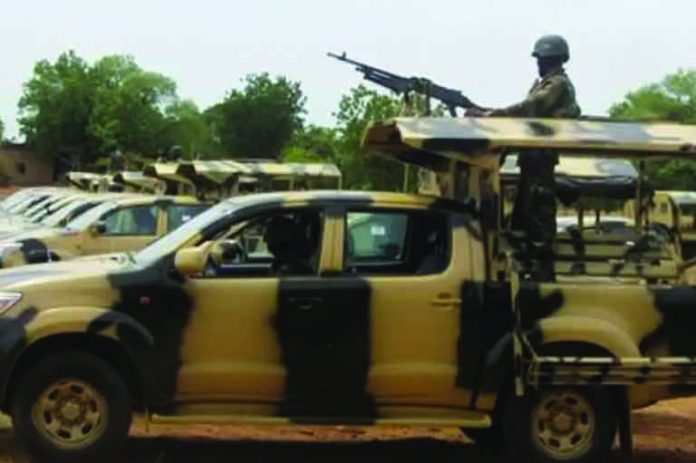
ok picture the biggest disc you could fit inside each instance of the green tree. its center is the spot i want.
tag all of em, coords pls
(313, 144)
(2, 130)
(259, 120)
(673, 99)
(356, 110)
(55, 108)
(77, 112)
(129, 106)
(186, 126)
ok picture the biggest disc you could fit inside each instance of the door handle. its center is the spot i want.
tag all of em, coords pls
(306, 303)
(446, 301)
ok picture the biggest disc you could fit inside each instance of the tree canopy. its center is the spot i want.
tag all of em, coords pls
(672, 99)
(129, 105)
(356, 110)
(56, 106)
(259, 120)
(79, 112)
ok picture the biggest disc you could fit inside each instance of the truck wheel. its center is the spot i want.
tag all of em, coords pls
(71, 407)
(570, 425)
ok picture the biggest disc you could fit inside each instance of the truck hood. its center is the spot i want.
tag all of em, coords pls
(67, 270)
(8, 230)
(39, 233)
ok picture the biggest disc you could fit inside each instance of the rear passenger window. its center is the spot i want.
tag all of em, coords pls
(396, 242)
(376, 236)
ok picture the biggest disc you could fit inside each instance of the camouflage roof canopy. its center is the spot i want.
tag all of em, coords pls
(136, 180)
(292, 169)
(165, 171)
(87, 181)
(584, 176)
(423, 140)
(214, 173)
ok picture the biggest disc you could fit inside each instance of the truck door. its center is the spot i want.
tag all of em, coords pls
(261, 329)
(412, 264)
(128, 228)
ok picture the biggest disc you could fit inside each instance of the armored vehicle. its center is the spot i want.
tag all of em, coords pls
(357, 307)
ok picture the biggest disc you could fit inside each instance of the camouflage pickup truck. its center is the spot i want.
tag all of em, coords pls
(361, 308)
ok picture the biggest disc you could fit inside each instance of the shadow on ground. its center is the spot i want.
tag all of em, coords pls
(427, 450)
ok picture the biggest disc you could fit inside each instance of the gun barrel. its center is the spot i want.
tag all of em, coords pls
(345, 59)
(403, 85)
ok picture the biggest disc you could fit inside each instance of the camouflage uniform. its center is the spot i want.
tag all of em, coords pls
(551, 96)
(535, 203)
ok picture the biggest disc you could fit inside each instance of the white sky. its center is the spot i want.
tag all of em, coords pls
(479, 46)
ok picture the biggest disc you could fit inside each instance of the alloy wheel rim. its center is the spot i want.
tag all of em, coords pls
(70, 413)
(563, 424)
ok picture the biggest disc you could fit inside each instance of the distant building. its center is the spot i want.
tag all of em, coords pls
(21, 166)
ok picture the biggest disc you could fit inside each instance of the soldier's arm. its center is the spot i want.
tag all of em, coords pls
(539, 103)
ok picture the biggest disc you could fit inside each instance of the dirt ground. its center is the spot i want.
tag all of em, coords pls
(664, 433)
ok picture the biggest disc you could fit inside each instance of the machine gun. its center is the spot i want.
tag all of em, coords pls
(404, 86)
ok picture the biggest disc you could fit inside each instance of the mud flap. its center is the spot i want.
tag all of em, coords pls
(623, 414)
(517, 334)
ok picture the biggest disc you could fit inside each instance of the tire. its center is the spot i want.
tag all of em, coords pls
(560, 424)
(71, 407)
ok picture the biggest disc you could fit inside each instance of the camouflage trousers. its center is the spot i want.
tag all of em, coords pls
(534, 212)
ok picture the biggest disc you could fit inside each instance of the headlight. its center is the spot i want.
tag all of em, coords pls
(8, 299)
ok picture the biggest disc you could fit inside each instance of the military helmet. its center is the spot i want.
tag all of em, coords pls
(550, 46)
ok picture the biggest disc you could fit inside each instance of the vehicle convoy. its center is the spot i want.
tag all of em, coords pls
(57, 216)
(358, 307)
(20, 202)
(118, 223)
(223, 178)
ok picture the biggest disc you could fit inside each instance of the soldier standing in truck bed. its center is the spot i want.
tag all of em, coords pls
(552, 95)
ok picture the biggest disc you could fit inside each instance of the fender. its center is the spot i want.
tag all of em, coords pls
(604, 334)
(568, 329)
(593, 331)
(94, 320)
(136, 339)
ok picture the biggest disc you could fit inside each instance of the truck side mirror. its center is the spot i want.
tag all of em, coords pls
(191, 261)
(97, 229)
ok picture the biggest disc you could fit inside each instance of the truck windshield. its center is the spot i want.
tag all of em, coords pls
(55, 219)
(83, 221)
(172, 241)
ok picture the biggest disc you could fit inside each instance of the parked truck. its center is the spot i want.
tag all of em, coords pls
(363, 308)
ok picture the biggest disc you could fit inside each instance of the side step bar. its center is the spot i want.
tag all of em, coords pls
(464, 419)
(611, 371)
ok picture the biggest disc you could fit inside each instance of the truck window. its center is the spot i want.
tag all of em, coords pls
(132, 221)
(178, 214)
(283, 243)
(396, 242)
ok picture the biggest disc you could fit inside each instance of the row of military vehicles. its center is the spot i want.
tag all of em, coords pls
(344, 307)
